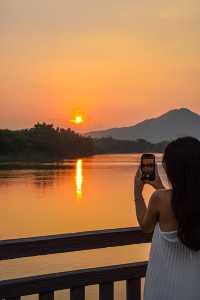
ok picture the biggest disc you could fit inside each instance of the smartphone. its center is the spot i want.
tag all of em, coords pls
(148, 167)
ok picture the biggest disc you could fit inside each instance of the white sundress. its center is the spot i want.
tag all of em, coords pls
(173, 272)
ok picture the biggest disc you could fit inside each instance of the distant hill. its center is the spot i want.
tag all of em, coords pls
(173, 124)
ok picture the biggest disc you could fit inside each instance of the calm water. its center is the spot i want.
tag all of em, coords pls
(88, 194)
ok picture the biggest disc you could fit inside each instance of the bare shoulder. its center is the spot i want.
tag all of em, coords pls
(160, 197)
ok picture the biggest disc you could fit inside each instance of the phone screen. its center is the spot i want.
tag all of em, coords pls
(148, 167)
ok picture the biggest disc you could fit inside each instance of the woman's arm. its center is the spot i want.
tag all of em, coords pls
(147, 217)
(140, 204)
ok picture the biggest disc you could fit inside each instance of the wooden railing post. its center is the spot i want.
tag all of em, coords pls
(46, 296)
(133, 289)
(106, 291)
(77, 293)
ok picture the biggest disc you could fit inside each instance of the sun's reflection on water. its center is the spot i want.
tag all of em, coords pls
(79, 178)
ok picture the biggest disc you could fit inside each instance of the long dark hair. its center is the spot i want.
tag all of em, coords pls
(182, 163)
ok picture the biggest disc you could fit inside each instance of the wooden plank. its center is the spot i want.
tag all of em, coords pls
(10, 249)
(106, 291)
(71, 279)
(46, 296)
(77, 293)
(133, 289)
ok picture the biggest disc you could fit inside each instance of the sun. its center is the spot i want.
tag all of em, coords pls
(78, 119)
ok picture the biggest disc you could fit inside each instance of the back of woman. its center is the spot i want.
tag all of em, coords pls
(174, 217)
(173, 270)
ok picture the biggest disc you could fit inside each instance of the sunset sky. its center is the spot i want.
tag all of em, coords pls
(116, 62)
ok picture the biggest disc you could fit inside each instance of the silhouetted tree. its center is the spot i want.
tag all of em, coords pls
(44, 141)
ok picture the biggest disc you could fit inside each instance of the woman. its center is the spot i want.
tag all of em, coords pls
(173, 215)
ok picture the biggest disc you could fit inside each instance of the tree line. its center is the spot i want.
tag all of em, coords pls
(44, 142)
(110, 145)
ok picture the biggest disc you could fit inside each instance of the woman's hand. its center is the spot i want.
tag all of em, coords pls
(157, 183)
(139, 183)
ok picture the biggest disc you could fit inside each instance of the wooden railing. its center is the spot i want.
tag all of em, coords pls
(45, 285)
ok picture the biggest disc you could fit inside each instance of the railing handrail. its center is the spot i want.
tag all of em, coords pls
(71, 279)
(43, 245)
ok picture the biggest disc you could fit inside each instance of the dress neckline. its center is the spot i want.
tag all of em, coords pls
(166, 232)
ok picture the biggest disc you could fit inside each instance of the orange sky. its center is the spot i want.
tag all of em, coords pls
(116, 61)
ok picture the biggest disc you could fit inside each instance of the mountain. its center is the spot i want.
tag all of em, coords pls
(175, 123)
